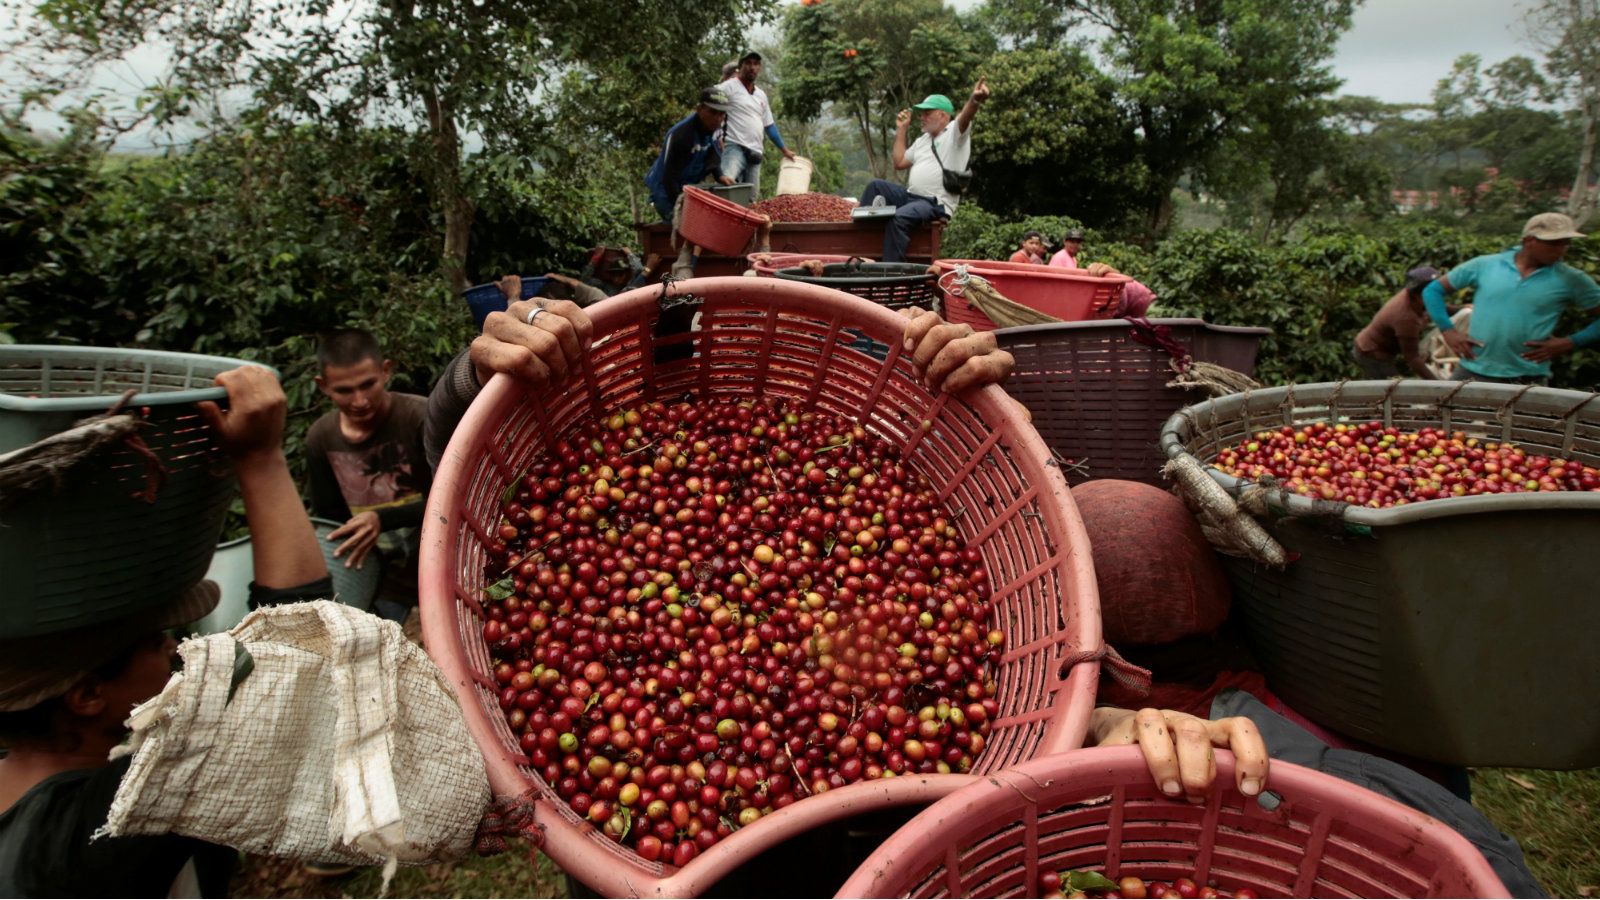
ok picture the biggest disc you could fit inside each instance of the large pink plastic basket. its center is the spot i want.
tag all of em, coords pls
(776, 338)
(1071, 295)
(1099, 809)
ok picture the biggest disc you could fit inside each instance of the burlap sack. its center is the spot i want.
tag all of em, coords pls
(1001, 310)
(338, 740)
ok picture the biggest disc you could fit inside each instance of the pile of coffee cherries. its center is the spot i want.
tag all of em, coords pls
(700, 613)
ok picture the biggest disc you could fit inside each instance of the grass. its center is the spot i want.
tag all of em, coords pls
(511, 874)
(1555, 816)
(1557, 821)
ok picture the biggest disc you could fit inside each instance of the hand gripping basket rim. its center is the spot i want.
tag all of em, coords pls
(598, 862)
(1277, 407)
(942, 834)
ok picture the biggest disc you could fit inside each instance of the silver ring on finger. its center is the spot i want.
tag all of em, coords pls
(534, 315)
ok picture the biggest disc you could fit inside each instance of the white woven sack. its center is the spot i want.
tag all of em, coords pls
(342, 743)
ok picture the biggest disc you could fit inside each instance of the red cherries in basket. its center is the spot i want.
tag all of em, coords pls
(702, 613)
(1371, 465)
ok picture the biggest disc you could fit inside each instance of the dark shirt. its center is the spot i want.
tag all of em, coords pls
(688, 155)
(45, 850)
(387, 473)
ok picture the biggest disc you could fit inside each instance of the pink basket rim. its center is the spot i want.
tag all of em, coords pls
(573, 847)
(989, 267)
(1024, 331)
(921, 842)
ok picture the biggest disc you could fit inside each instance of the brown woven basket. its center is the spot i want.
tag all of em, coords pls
(1099, 397)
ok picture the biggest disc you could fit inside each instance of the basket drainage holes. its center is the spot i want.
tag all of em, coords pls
(1269, 800)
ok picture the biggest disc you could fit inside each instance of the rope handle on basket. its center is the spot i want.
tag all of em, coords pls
(669, 301)
(1130, 676)
(1506, 408)
(1578, 406)
(1160, 337)
(508, 817)
(960, 277)
(47, 461)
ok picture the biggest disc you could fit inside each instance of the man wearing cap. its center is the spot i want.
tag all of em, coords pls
(1031, 251)
(1395, 333)
(1518, 300)
(941, 147)
(1067, 256)
(64, 697)
(749, 120)
(690, 152)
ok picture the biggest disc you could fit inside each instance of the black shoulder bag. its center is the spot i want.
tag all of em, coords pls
(954, 182)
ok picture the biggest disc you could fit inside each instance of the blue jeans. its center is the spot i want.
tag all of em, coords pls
(911, 211)
(742, 164)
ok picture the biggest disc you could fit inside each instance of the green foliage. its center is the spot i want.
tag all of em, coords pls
(1315, 292)
(872, 58)
(976, 233)
(1197, 75)
(1051, 139)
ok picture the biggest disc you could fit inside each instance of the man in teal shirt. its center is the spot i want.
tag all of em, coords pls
(1519, 297)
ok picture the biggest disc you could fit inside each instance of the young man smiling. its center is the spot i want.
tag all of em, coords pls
(367, 465)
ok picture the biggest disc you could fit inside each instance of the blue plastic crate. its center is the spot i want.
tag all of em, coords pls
(486, 298)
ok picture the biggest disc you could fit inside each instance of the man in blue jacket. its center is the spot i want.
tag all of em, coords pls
(1518, 300)
(691, 151)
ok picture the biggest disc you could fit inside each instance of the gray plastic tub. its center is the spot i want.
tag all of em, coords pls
(1457, 630)
(91, 551)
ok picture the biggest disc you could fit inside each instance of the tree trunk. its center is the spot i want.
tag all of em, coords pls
(1161, 212)
(863, 117)
(453, 200)
(1580, 205)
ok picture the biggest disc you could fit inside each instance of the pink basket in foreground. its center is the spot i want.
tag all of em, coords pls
(1099, 809)
(1071, 295)
(773, 337)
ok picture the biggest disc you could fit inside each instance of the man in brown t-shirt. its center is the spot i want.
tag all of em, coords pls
(1395, 333)
(367, 465)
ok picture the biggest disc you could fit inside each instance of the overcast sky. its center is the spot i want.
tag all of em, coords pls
(1396, 50)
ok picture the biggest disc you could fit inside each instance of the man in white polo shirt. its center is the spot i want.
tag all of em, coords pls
(945, 144)
(749, 120)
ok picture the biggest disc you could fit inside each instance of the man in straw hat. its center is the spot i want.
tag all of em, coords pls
(1519, 297)
(65, 697)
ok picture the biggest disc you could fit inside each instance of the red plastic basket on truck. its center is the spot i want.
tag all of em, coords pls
(1310, 835)
(716, 224)
(769, 337)
(1071, 295)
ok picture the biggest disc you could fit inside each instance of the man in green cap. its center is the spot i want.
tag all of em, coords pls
(927, 194)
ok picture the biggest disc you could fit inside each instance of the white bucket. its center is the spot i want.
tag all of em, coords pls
(794, 176)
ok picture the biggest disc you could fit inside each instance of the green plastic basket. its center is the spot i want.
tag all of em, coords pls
(1456, 630)
(91, 551)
